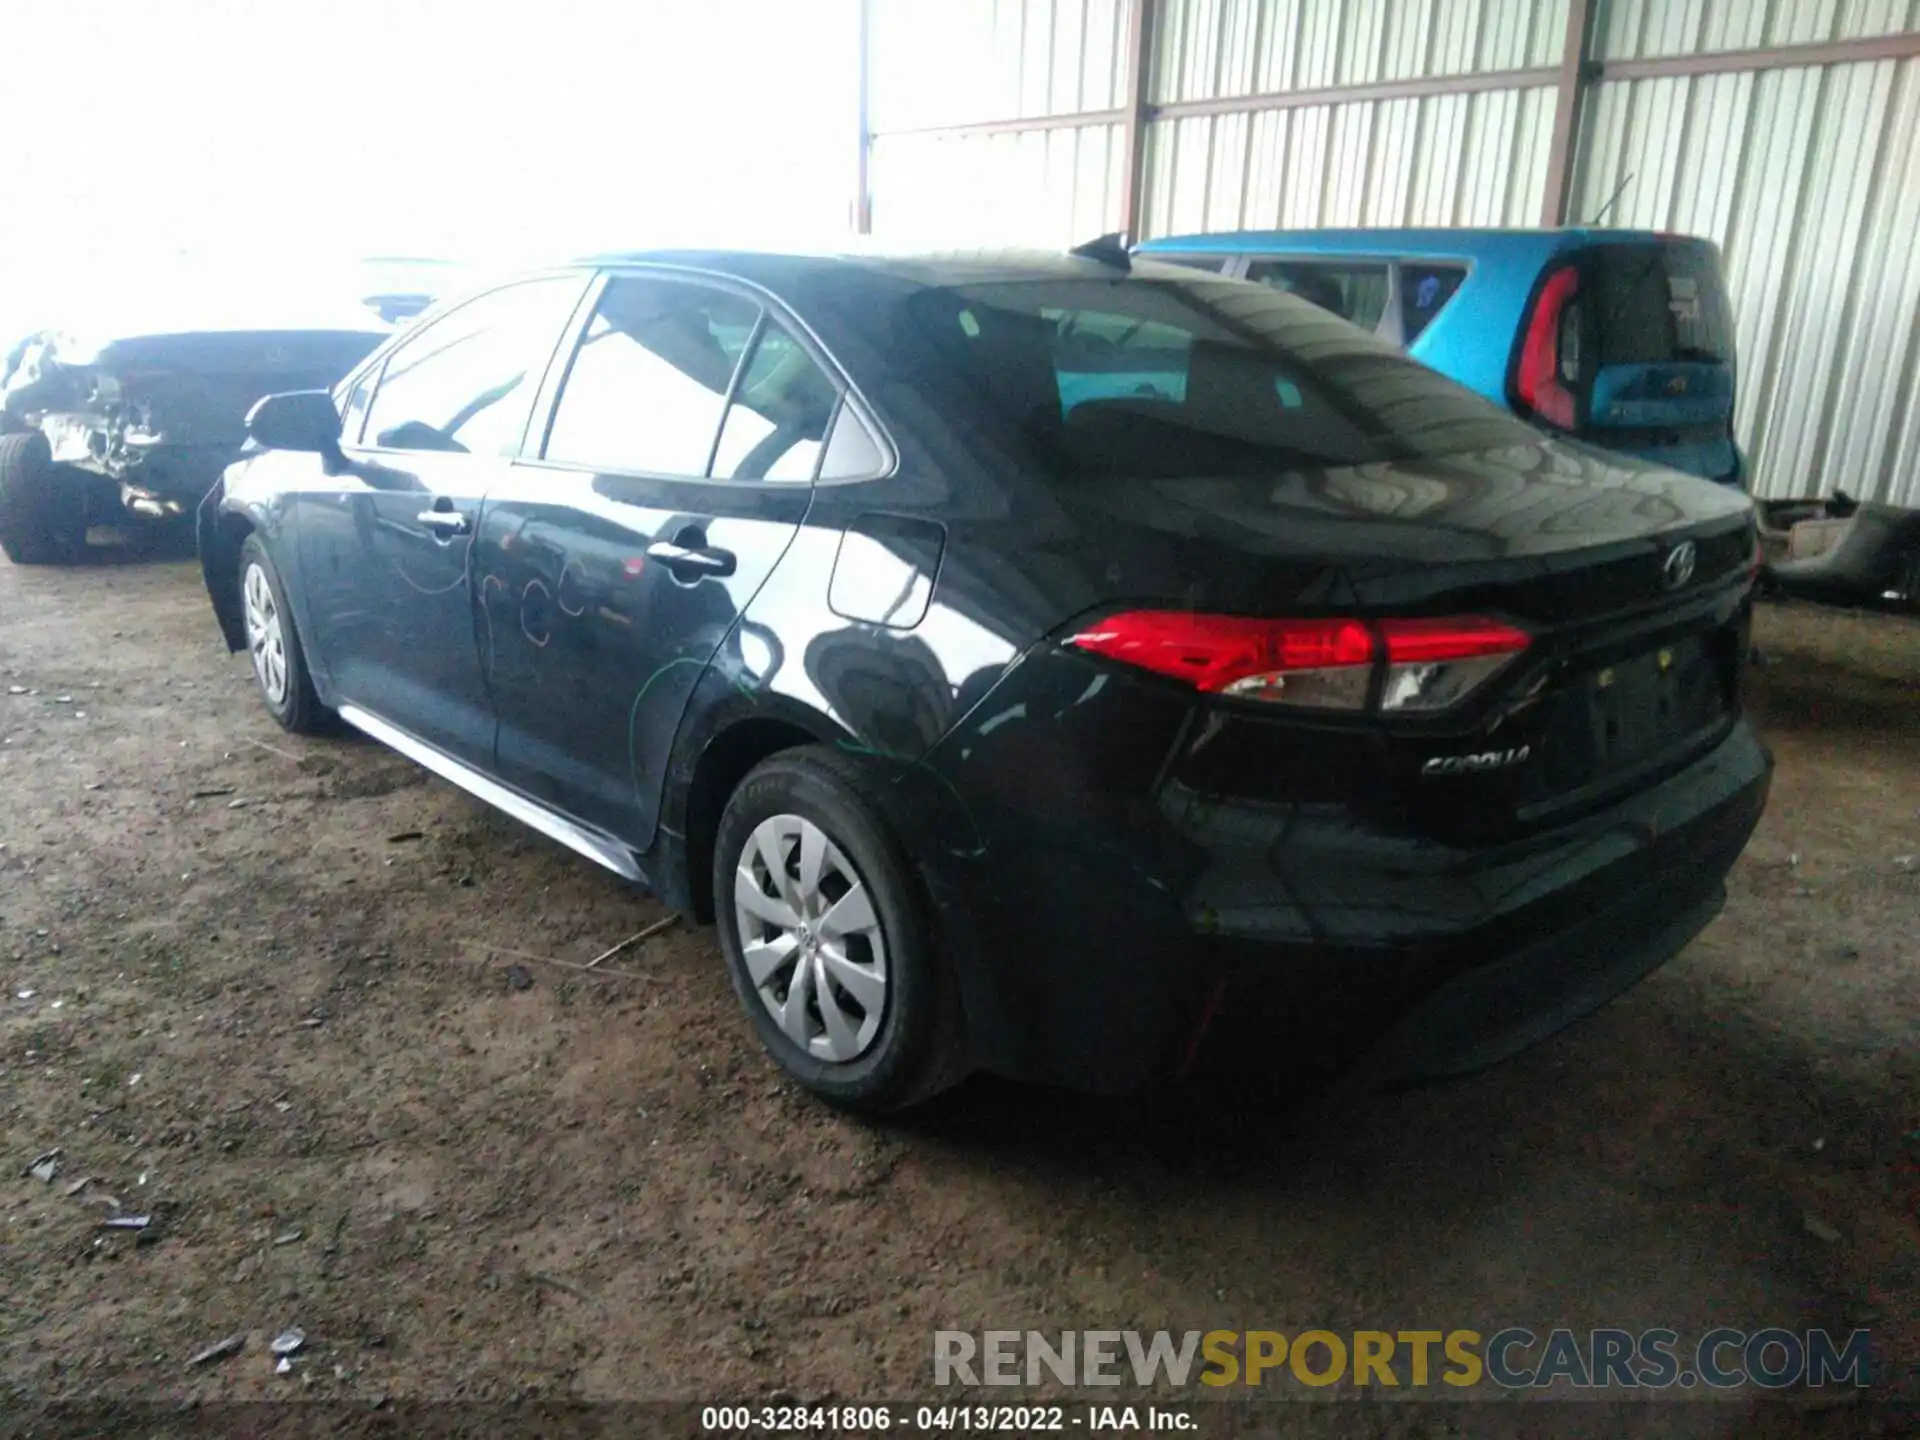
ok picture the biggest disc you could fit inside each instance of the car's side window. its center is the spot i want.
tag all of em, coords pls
(649, 382)
(1357, 293)
(777, 422)
(466, 383)
(1425, 290)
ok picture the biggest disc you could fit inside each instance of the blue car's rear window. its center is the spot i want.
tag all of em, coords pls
(1656, 303)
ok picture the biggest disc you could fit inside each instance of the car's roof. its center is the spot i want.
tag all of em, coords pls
(116, 312)
(1436, 240)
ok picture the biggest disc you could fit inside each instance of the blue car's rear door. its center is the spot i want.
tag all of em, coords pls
(1663, 368)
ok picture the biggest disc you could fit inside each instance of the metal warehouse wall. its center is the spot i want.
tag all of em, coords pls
(940, 64)
(1446, 159)
(1787, 130)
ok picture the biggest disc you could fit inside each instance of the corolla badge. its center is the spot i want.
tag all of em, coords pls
(1677, 385)
(1474, 764)
(1677, 569)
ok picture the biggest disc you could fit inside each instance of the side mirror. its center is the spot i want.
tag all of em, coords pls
(297, 420)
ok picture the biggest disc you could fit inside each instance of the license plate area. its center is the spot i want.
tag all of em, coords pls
(1607, 720)
(1621, 715)
(1601, 723)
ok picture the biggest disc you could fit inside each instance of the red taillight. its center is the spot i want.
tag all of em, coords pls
(1323, 664)
(1435, 664)
(1537, 383)
(1414, 642)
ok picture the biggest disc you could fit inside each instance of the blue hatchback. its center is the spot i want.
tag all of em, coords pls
(1622, 338)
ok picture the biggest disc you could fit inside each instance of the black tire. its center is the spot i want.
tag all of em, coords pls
(43, 519)
(293, 703)
(919, 1047)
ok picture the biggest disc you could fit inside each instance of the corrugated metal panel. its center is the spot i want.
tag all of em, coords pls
(1205, 49)
(958, 62)
(1810, 181)
(1643, 29)
(1051, 188)
(1438, 160)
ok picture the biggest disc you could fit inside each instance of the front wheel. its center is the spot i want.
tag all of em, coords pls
(825, 934)
(279, 662)
(43, 518)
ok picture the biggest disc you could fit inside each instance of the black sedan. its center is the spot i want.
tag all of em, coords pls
(1079, 670)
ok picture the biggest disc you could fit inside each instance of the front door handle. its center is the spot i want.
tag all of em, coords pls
(688, 562)
(445, 523)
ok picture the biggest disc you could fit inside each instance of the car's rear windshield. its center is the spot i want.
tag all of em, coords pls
(1657, 303)
(1158, 378)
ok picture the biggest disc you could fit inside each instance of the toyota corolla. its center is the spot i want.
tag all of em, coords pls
(1064, 666)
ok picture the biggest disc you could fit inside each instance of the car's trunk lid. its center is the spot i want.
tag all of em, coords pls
(1630, 581)
(1548, 534)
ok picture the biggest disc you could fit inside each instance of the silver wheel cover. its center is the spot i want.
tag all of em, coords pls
(811, 939)
(266, 635)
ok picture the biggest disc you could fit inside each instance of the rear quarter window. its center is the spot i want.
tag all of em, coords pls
(1425, 290)
(1356, 293)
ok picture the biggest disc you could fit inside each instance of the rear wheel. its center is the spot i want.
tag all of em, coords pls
(43, 518)
(273, 645)
(826, 937)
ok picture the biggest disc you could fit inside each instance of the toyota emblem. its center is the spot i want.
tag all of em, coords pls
(1677, 569)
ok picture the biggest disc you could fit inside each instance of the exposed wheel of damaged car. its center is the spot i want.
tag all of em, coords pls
(43, 516)
(827, 937)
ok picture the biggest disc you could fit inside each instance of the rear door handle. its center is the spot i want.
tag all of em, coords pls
(444, 522)
(687, 562)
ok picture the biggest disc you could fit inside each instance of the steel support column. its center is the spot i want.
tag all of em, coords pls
(1138, 111)
(862, 183)
(1575, 64)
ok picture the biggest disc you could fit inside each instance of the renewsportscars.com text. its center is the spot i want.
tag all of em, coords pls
(1512, 1358)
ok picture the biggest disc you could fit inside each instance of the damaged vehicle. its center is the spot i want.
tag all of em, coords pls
(135, 419)
(1842, 551)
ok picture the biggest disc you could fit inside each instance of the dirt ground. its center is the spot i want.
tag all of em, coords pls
(249, 992)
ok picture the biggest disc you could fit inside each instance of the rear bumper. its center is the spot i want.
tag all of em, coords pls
(1495, 1011)
(1271, 940)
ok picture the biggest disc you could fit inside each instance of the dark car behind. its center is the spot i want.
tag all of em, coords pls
(129, 408)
